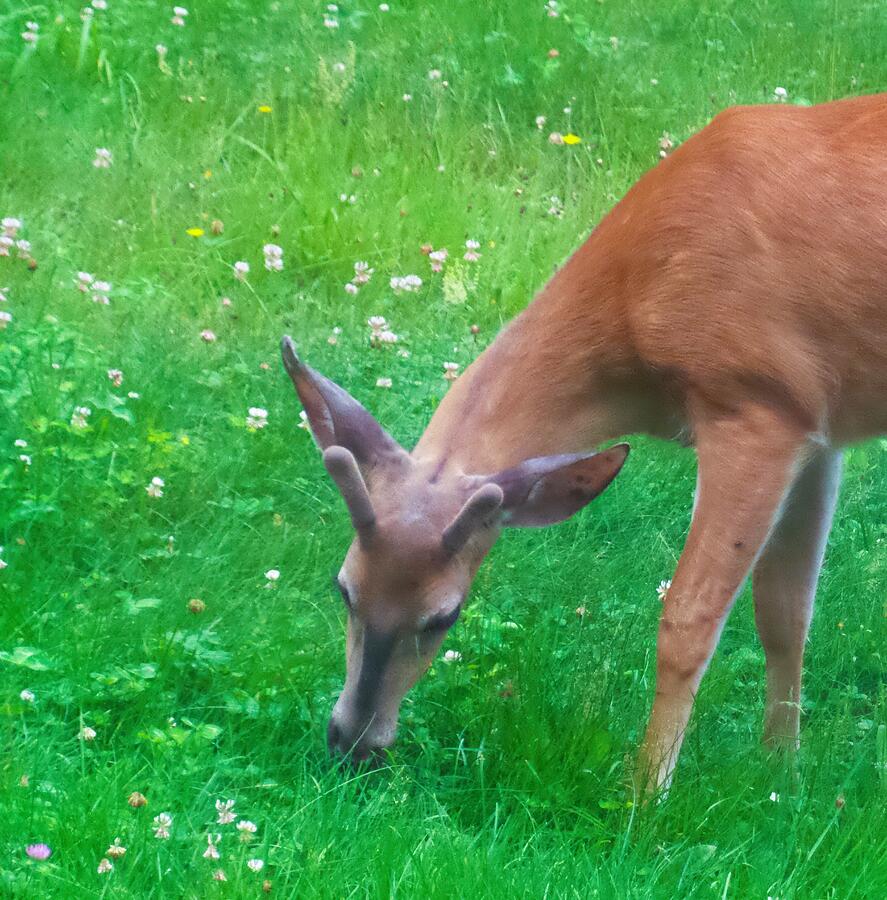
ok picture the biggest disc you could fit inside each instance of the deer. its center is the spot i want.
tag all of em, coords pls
(735, 300)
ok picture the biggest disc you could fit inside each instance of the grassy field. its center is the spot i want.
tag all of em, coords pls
(361, 139)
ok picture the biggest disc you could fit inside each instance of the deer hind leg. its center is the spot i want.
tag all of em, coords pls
(784, 583)
(747, 462)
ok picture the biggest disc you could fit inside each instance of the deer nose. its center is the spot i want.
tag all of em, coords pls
(358, 745)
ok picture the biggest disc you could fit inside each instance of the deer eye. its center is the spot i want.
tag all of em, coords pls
(346, 597)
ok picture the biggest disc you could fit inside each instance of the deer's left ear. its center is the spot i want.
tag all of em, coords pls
(550, 489)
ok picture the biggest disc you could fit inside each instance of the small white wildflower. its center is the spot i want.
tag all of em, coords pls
(134, 395)
(79, 416)
(26, 695)
(100, 5)
(246, 829)
(86, 13)
(303, 420)
(84, 280)
(212, 848)
(781, 94)
(471, 248)
(100, 291)
(179, 14)
(219, 875)
(241, 270)
(451, 371)
(384, 382)
(24, 458)
(208, 336)
(351, 289)
(20, 443)
(6, 244)
(408, 283)
(272, 575)
(362, 272)
(437, 259)
(330, 22)
(103, 158)
(377, 323)
(115, 376)
(24, 249)
(105, 866)
(555, 138)
(5, 319)
(387, 337)
(384, 7)
(407, 98)
(556, 208)
(225, 808)
(273, 257)
(662, 590)
(452, 656)
(774, 797)
(155, 488)
(551, 9)
(255, 865)
(666, 145)
(434, 74)
(116, 850)
(11, 226)
(162, 824)
(257, 418)
(30, 36)
(540, 122)
(86, 733)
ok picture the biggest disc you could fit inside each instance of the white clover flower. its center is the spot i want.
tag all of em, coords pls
(100, 291)
(115, 376)
(351, 288)
(255, 865)
(387, 337)
(101, 5)
(471, 248)
(116, 850)
(662, 590)
(257, 418)
(212, 848)
(162, 824)
(362, 272)
(103, 158)
(207, 336)
(781, 94)
(6, 244)
(384, 7)
(303, 421)
(437, 259)
(25, 459)
(133, 395)
(666, 145)
(225, 808)
(86, 13)
(20, 443)
(551, 9)
(31, 34)
(105, 866)
(408, 283)
(434, 74)
(555, 138)
(26, 695)
(330, 22)
(155, 488)
(11, 226)
(556, 208)
(540, 122)
(247, 829)
(377, 323)
(5, 319)
(272, 575)
(452, 656)
(451, 371)
(407, 98)
(179, 14)
(86, 733)
(384, 382)
(273, 257)
(241, 270)
(79, 416)
(84, 280)
(219, 875)
(24, 249)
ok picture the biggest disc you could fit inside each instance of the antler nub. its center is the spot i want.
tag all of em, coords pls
(482, 503)
(342, 466)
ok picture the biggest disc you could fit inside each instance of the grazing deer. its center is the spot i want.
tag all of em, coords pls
(736, 300)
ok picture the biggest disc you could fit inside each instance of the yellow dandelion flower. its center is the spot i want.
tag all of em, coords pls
(185, 440)
(194, 232)
(208, 174)
(572, 138)
(264, 108)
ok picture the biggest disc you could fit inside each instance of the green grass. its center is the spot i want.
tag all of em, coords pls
(509, 779)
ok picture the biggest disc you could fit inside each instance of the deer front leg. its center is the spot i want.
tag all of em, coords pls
(746, 463)
(784, 583)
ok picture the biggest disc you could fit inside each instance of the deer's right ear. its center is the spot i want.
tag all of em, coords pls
(335, 417)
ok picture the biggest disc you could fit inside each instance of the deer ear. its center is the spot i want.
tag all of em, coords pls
(550, 489)
(335, 417)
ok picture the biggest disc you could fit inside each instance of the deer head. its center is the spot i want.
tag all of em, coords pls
(421, 534)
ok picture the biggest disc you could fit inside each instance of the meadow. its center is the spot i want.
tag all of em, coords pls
(170, 639)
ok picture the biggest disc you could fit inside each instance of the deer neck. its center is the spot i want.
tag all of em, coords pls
(561, 378)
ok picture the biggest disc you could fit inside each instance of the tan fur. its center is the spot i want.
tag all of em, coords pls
(735, 298)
